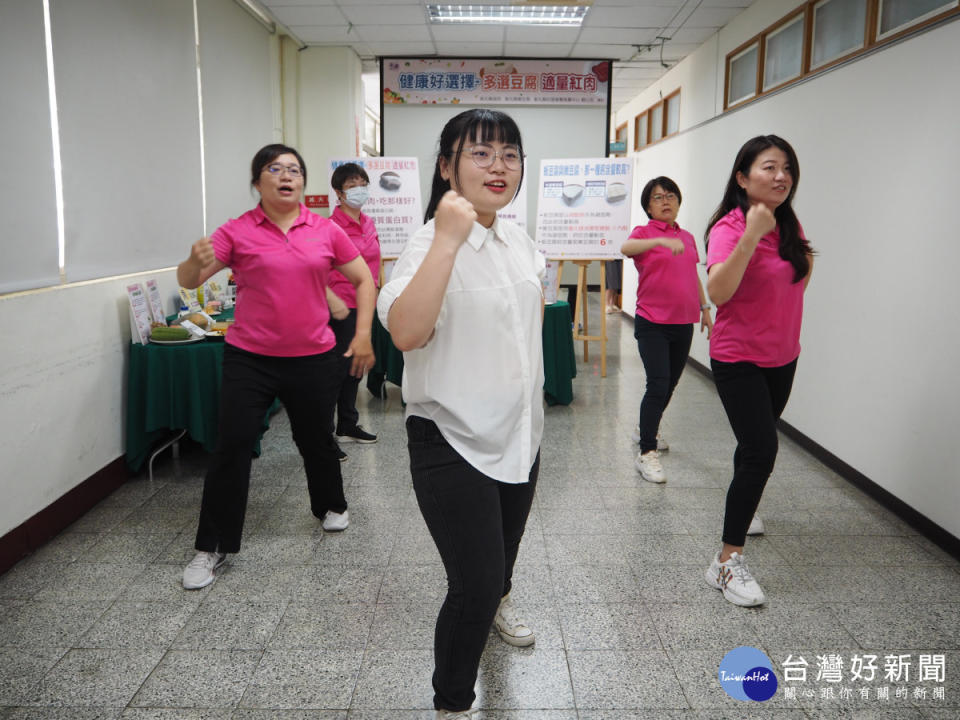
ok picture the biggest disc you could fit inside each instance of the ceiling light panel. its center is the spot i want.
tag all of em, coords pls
(551, 15)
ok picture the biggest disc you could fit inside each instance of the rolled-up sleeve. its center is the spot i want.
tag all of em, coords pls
(407, 265)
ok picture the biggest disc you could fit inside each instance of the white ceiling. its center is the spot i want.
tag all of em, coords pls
(613, 29)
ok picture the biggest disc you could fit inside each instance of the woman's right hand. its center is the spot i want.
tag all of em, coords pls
(760, 221)
(202, 252)
(674, 245)
(454, 219)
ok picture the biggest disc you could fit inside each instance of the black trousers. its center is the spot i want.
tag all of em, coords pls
(476, 523)
(250, 384)
(664, 349)
(754, 398)
(346, 404)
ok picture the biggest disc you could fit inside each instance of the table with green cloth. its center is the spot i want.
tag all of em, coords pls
(559, 361)
(171, 387)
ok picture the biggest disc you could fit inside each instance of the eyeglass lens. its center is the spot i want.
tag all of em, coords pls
(484, 156)
(277, 168)
(659, 197)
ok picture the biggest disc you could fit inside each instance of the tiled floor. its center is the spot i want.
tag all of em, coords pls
(305, 626)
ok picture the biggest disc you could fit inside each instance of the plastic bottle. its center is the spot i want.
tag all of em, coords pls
(184, 310)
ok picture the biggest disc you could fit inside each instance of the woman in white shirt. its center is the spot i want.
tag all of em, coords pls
(465, 304)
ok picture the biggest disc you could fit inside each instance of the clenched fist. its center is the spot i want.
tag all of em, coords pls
(454, 219)
(202, 252)
(760, 221)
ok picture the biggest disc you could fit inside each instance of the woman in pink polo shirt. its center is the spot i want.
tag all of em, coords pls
(281, 345)
(351, 184)
(669, 300)
(758, 266)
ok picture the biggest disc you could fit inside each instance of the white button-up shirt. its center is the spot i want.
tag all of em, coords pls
(480, 377)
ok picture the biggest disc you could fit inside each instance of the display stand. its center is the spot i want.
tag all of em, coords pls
(581, 306)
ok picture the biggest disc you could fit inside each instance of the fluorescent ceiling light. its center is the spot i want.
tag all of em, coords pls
(555, 15)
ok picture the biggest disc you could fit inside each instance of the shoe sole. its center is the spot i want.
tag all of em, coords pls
(517, 641)
(358, 441)
(335, 529)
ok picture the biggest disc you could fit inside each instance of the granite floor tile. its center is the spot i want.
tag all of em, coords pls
(94, 582)
(595, 583)
(96, 677)
(304, 678)
(716, 626)
(524, 678)
(608, 626)
(340, 584)
(326, 626)
(198, 679)
(47, 624)
(613, 679)
(230, 624)
(22, 669)
(137, 624)
(395, 679)
(904, 625)
(60, 713)
(64, 548)
(28, 577)
(174, 714)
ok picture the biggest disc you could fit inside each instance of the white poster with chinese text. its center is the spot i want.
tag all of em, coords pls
(583, 207)
(516, 211)
(394, 202)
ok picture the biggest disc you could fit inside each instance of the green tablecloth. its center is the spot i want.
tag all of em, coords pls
(171, 387)
(559, 362)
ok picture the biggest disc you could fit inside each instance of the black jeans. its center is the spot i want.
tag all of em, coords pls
(754, 398)
(346, 405)
(250, 384)
(664, 349)
(477, 523)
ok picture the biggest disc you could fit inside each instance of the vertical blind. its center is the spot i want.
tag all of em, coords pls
(28, 209)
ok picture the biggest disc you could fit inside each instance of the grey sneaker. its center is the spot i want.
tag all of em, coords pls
(735, 580)
(336, 522)
(756, 526)
(199, 572)
(649, 467)
(510, 627)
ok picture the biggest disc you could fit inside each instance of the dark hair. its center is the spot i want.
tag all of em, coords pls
(345, 172)
(664, 182)
(490, 125)
(793, 248)
(267, 154)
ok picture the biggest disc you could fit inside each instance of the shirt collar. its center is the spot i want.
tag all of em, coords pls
(338, 210)
(662, 226)
(304, 218)
(479, 234)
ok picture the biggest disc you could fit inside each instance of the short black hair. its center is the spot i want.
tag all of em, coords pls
(345, 172)
(267, 154)
(664, 182)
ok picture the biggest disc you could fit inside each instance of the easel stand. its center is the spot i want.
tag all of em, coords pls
(580, 309)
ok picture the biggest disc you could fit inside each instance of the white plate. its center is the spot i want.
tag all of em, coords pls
(191, 339)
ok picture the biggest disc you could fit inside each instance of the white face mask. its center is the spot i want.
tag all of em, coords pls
(355, 197)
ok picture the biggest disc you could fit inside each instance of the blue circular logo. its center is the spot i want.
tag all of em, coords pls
(747, 674)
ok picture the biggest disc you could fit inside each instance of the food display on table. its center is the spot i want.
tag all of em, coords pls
(164, 333)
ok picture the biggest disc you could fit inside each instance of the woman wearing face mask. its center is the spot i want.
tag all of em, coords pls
(351, 184)
(465, 304)
(758, 266)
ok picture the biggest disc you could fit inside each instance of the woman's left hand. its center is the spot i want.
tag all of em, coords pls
(706, 321)
(361, 350)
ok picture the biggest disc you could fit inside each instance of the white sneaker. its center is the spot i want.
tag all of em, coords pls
(336, 522)
(756, 526)
(511, 628)
(662, 445)
(199, 572)
(734, 579)
(649, 467)
(456, 714)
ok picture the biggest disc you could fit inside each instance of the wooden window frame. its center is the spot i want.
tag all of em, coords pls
(871, 40)
(801, 13)
(616, 135)
(645, 117)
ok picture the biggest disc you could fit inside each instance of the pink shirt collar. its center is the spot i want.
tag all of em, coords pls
(260, 217)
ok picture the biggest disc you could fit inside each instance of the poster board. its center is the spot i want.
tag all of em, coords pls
(394, 203)
(583, 207)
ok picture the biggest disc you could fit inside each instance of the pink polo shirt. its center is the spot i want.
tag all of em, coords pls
(281, 281)
(760, 324)
(363, 235)
(667, 283)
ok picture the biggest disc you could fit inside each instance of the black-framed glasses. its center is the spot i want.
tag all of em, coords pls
(484, 156)
(277, 168)
(660, 197)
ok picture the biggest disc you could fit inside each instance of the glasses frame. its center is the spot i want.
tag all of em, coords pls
(292, 170)
(660, 197)
(496, 154)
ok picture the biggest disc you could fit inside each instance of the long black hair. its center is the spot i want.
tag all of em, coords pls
(476, 124)
(793, 248)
